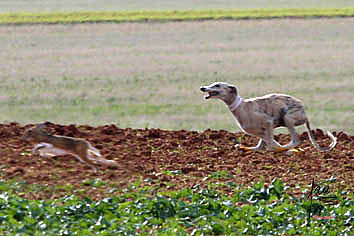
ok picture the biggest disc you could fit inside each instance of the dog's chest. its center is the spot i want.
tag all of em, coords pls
(240, 120)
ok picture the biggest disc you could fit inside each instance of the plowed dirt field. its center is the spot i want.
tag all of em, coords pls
(170, 160)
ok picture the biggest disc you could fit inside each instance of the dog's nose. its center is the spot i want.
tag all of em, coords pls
(202, 89)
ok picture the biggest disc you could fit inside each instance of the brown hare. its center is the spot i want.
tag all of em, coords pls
(49, 145)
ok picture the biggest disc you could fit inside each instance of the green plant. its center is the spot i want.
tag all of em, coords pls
(197, 211)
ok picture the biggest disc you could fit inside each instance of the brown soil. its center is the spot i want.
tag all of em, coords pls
(170, 160)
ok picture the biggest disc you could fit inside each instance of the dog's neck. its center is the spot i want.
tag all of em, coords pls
(235, 104)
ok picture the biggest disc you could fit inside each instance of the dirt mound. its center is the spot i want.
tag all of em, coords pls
(171, 160)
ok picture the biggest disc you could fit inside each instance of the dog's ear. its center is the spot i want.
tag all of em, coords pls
(233, 89)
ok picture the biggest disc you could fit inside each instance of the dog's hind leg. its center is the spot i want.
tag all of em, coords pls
(260, 146)
(291, 120)
(295, 141)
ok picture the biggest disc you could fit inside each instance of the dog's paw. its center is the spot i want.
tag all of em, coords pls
(296, 151)
(242, 147)
(280, 149)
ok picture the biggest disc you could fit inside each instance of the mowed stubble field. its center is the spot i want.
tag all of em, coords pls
(148, 74)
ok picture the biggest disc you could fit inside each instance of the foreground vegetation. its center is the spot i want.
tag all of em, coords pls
(266, 210)
(180, 15)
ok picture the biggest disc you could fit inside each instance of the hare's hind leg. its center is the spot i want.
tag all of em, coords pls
(83, 156)
(92, 149)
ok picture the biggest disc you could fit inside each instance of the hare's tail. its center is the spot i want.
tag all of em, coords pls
(92, 150)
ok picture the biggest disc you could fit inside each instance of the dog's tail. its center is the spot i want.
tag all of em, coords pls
(315, 144)
(99, 157)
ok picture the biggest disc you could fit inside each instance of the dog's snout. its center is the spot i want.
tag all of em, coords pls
(203, 89)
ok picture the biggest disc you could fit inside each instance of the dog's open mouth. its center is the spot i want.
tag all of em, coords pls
(211, 94)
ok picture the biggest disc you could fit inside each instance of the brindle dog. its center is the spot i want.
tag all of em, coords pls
(259, 116)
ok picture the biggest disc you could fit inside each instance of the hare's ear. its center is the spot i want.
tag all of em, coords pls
(42, 128)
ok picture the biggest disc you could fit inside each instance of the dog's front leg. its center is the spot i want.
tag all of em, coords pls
(255, 125)
(271, 144)
(260, 146)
